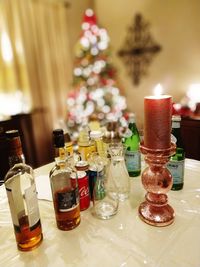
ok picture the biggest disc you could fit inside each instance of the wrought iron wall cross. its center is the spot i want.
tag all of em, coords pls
(139, 49)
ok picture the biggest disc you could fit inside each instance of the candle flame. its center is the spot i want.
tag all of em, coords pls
(194, 92)
(158, 90)
(193, 95)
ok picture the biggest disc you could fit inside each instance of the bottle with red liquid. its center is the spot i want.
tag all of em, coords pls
(22, 196)
(64, 192)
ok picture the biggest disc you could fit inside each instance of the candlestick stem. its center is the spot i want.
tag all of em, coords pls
(157, 181)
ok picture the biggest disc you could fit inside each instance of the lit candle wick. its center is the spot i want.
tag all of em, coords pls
(158, 90)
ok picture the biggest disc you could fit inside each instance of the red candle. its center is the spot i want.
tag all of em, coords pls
(157, 121)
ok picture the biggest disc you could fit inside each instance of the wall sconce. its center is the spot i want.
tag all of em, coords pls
(139, 49)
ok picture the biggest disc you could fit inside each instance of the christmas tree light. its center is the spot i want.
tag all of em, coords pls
(95, 91)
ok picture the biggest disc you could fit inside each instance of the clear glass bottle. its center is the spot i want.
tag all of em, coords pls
(111, 135)
(65, 191)
(118, 172)
(22, 196)
(97, 136)
(105, 202)
(132, 143)
(85, 145)
(176, 165)
(68, 145)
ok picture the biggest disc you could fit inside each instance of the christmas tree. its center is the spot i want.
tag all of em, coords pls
(95, 92)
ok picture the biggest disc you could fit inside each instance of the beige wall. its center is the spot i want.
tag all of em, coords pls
(75, 12)
(175, 25)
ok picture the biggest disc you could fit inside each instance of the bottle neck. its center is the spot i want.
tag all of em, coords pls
(84, 139)
(176, 124)
(131, 120)
(176, 131)
(60, 156)
(15, 152)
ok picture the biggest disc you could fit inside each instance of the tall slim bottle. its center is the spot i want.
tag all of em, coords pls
(68, 144)
(65, 192)
(176, 165)
(22, 196)
(86, 146)
(132, 143)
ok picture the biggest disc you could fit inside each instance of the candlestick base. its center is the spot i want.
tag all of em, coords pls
(157, 181)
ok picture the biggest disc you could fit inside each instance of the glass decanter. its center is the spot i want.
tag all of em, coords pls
(118, 172)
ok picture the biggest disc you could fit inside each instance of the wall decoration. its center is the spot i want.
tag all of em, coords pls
(139, 49)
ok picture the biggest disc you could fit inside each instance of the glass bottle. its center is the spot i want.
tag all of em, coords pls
(68, 145)
(97, 136)
(22, 196)
(65, 192)
(118, 171)
(176, 165)
(85, 145)
(105, 202)
(132, 143)
(111, 135)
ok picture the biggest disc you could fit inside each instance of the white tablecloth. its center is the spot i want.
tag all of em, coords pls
(123, 241)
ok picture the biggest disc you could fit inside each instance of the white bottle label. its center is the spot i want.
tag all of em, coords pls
(15, 199)
(32, 205)
(21, 205)
(177, 170)
(133, 160)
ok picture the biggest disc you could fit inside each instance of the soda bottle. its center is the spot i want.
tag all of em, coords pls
(131, 142)
(176, 165)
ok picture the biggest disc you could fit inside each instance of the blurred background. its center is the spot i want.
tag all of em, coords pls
(43, 51)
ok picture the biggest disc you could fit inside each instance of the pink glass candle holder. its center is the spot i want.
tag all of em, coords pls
(157, 181)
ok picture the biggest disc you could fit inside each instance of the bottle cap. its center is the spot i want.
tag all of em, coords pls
(12, 134)
(96, 134)
(176, 118)
(58, 138)
(13, 141)
(131, 115)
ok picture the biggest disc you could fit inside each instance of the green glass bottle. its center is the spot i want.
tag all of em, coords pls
(176, 165)
(132, 142)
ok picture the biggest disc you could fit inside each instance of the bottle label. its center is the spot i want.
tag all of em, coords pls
(21, 205)
(32, 205)
(176, 124)
(177, 170)
(133, 160)
(15, 199)
(67, 200)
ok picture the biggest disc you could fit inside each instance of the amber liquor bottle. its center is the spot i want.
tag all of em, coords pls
(64, 190)
(22, 196)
